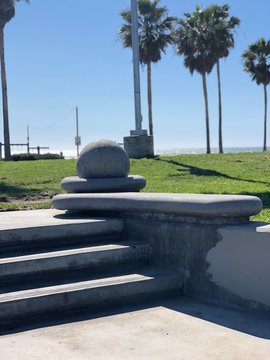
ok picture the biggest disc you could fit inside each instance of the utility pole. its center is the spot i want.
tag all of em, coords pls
(28, 140)
(77, 137)
(136, 70)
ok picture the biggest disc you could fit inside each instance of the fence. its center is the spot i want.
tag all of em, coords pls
(26, 146)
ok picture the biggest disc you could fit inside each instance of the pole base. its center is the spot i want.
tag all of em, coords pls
(139, 147)
(138, 132)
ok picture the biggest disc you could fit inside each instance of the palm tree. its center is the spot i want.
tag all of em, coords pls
(193, 40)
(222, 28)
(154, 27)
(257, 64)
(7, 12)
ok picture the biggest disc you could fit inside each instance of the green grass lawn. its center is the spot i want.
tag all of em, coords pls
(29, 185)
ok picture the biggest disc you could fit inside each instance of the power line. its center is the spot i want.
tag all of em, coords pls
(55, 122)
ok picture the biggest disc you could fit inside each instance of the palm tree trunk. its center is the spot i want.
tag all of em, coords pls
(149, 95)
(220, 142)
(265, 119)
(208, 149)
(4, 96)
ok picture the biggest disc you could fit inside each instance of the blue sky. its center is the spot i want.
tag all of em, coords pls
(65, 53)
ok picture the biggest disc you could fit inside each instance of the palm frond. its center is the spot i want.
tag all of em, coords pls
(7, 10)
(154, 26)
(257, 61)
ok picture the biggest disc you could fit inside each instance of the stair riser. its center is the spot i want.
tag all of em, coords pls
(95, 297)
(96, 260)
(41, 245)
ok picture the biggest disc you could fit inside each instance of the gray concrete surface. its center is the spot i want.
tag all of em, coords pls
(37, 218)
(99, 256)
(94, 268)
(103, 159)
(25, 226)
(92, 293)
(240, 262)
(178, 204)
(75, 184)
(139, 147)
(228, 264)
(174, 329)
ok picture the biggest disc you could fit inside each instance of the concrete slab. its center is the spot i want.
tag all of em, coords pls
(52, 224)
(201, 205)
(173, 329)
(39, 218)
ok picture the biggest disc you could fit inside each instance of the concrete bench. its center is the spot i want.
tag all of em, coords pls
(212, 208)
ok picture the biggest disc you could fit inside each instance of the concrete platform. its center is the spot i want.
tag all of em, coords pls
(174, 329)
(196, 205)
(26, 226)
(41, 218)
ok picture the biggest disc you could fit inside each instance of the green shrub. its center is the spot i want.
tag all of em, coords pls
(49, 156)
(24, 157)
(27, 157)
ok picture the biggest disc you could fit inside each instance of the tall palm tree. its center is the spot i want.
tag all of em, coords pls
(154, 27)
(222, 28)
(7, 12)
(193, 40)
(257, 64)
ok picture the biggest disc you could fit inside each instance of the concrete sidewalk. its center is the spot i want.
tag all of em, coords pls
(173, 329)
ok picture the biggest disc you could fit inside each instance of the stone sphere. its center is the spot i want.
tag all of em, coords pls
(103, 159)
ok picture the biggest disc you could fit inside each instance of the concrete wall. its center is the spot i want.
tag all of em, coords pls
(223, 264)
(240, 262)
(139, 147)
(224, 257)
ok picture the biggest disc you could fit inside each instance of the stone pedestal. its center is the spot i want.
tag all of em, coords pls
(103, 167)
(139, 147)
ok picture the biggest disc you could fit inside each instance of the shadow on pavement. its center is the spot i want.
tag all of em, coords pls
(257, 325)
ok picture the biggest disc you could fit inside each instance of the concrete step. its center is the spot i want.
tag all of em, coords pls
(52, 262)
(57, 245)
(49, 227)
(91, 257)
(90, 293)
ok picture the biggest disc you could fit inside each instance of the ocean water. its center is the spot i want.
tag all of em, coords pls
(71, 153)
(227, 150)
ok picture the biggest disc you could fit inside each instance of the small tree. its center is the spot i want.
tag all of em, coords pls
(257, 64)
(154, 27)
(7, 12)
(193, 41)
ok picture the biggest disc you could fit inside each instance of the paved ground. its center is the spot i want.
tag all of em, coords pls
(11, 220)
(174, 329)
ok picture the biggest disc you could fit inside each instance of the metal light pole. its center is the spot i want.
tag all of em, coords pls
(136, 70)
(137, 146)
